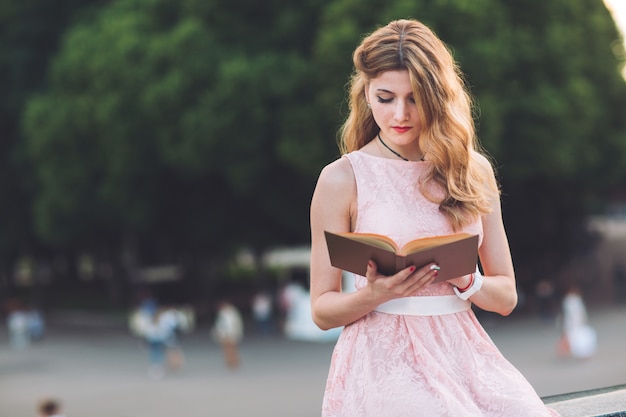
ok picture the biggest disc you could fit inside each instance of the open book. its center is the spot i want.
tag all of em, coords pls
(456, 254)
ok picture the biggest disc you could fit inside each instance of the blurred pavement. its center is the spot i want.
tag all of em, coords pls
(102, 372)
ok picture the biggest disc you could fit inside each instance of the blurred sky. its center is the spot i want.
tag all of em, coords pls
(618, 9)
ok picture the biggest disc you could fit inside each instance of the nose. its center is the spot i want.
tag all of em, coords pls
(402, 110)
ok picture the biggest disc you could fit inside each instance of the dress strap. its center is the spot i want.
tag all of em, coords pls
(435, 305)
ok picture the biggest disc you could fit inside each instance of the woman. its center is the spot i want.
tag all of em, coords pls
(411, 168)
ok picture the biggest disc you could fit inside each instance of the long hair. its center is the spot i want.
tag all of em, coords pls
(447, 133)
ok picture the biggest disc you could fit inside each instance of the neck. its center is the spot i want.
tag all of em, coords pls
(421, 158)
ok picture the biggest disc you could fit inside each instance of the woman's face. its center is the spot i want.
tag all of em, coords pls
(395, 111)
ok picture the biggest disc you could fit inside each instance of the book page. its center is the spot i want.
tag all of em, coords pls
(429, 242)
(380, 241)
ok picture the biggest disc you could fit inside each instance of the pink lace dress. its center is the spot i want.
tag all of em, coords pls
(406, 365)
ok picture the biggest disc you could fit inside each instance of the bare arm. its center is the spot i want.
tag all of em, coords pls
(498, 293)
(333, 208)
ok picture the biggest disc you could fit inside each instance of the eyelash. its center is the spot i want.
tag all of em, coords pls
(389, 100)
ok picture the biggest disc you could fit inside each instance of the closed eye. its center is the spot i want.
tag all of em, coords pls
(384, 100)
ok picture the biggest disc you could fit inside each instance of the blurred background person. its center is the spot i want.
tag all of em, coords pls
(228, 332)
(36, 324)
(49, 408)
(18, 325)
(619, 282)
(157, 328)
(544, 291)
(142, 314)
(262, 312)
(578, 339)
(174, 323)
(156, 332)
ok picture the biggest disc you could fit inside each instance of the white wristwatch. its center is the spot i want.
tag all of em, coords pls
(476, 286)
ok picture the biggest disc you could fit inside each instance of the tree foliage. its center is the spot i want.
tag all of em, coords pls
(198, 127)
(155, 125)
(29, 34)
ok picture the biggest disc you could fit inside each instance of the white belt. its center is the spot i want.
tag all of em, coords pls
(435, 305)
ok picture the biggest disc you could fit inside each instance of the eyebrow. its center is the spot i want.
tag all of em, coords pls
(382, 90)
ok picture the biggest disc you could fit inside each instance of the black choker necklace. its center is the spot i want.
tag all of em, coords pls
(394, 152)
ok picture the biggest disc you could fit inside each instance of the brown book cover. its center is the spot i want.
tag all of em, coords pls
(456, 254)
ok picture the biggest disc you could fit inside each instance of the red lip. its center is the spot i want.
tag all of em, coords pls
(401, 129)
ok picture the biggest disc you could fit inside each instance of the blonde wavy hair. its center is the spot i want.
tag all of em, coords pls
(447, 133)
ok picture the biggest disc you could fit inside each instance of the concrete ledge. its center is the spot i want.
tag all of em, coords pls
(604, 402)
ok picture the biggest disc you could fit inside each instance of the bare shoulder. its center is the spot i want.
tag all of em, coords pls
(333, 203)
(483, 161)
(337, 176)
(487, 171)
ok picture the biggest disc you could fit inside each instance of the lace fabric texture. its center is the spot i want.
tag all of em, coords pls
(410, 366)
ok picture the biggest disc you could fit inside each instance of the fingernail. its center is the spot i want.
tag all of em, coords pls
(434, 268)
(413, 268)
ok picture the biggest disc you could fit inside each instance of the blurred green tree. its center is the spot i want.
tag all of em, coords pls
(174, 128)
(29, 35)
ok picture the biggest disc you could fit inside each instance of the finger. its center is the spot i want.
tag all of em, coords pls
(421, 283)
(372, 270)
(427, 272)
(431, 267)
(404, 279)
(424, 277)
(404, 274)
(422, 273)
